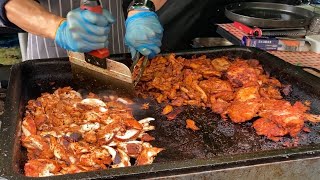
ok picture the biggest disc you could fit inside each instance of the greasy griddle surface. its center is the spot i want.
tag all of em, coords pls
(216, 137)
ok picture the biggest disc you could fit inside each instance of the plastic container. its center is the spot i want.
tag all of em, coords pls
(314, 40)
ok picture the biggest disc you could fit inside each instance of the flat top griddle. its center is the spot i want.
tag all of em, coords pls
(268, 15)
(219, 144)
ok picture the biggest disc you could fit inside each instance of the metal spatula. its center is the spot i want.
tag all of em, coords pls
(138, 67)
(115, 75)
(95, 65)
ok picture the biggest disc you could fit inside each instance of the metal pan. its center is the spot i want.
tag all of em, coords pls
(210, 42)
(218, 145)
(268, 15)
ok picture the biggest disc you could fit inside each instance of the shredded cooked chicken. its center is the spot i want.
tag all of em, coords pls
(64, 133)
(237, 89)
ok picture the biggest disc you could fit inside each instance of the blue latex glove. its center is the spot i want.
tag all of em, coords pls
(144, 33)
(84, 31)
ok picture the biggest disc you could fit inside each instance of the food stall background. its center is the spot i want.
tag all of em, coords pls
(194, 19)
(202, 26)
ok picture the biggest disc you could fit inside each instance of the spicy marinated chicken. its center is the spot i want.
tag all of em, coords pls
(237, 89)
(64, 133)
(279, 117)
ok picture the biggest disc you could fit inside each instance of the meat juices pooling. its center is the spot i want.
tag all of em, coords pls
(66, 134)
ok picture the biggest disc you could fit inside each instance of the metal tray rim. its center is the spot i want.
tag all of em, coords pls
(266, 23)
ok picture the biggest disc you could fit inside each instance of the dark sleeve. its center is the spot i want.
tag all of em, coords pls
(184, 20)
(125, 5)
(3, 18)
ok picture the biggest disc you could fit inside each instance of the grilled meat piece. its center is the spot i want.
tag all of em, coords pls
(191, 125)
(279, 118)
(240, 74)
(221, 64)
(243, 111)
(167, 109)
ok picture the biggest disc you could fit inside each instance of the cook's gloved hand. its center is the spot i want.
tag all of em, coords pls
(84, 31)
(144, 34)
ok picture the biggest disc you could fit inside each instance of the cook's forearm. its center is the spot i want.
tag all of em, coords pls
(158, 3)
(32, 17)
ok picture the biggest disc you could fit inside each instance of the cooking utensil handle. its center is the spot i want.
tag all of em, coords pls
(94, 6)
(135, 60)
(251, 31)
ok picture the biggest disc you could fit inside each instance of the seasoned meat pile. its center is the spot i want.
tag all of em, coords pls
(237, 89)
(65, 133)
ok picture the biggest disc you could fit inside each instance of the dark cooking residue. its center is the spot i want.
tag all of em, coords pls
(2, 99)
(215, 138)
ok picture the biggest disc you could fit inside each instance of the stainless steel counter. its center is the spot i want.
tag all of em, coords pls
(302, 169)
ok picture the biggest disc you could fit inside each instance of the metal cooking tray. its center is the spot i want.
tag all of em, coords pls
(268, 15)
(218, 144)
